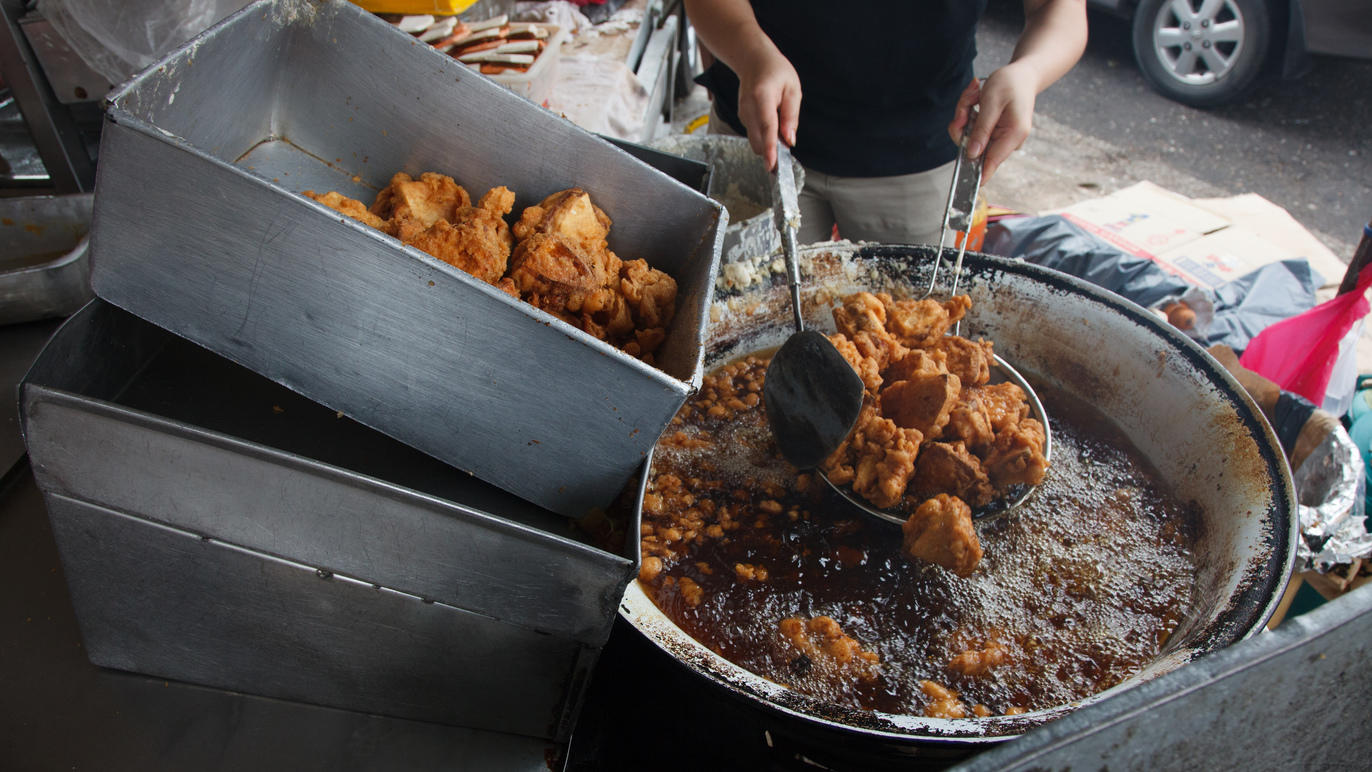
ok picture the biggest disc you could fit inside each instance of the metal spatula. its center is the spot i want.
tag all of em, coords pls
(811, 394)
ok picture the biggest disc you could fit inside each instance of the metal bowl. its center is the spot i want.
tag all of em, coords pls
(1189, 418)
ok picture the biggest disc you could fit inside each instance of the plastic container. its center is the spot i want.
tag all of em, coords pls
(536, 85)
(445, 7)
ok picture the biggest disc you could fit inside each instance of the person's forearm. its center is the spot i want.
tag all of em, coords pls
(1053, 40)
(768, 87)
(730, 31)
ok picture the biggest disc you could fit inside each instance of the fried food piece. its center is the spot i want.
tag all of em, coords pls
(507, 286)
(651, 294)
(943, 702)
(822, 642)
(940, 531)
(916, 362)
(877, 457)
(570, 214)
(349, 206)
(414, 205)
(861, 312)
(1017, 455)
(947, 467)
(477, 239)
(969, 361)
(562, 262)
(606, 315)
(978, 662)
(922, 403)
(865, 367)
(1004, 402)
(862, 319)
(969, 423)
(563, 265)
(550, 271)
(920, 380)
(921, 323)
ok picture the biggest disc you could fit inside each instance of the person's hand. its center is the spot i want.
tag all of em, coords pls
(1006, 103)
(768, 102)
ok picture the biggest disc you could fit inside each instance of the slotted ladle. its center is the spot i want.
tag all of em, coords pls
(811, 394)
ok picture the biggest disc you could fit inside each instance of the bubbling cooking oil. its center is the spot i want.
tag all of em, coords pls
(1077, 590)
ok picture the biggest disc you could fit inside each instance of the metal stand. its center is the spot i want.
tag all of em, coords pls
(54, 131)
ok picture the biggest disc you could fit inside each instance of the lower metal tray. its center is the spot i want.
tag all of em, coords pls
(44, 263)
(218, 528)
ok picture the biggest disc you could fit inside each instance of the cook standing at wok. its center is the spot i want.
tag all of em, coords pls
(869, 95)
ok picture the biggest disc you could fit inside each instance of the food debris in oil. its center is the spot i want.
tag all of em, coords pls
(1077, 591)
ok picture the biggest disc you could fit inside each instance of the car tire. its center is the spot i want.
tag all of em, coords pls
(1202, 61)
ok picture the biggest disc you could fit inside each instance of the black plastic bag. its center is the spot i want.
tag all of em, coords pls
(1241, 308)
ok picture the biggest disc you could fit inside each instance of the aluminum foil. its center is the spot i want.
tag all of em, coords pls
(1331, 483)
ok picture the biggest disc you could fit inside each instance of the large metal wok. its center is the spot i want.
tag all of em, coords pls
(1188, 417)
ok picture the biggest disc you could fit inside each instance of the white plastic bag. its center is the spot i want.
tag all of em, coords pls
(118, 38)
(1343, 379)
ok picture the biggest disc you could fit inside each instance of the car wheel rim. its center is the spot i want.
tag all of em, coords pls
(1198, 41)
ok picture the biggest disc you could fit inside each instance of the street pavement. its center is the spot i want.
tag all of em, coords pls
(1304, 144)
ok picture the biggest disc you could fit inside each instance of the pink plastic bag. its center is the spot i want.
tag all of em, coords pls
(1298, 354)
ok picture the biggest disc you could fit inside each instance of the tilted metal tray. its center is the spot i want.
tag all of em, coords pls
(200, 228)
(44, 268)
(219, 529)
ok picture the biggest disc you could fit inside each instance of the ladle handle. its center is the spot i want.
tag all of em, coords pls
(786, 215)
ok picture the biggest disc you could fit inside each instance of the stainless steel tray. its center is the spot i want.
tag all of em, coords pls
(217, 528)
(44, 268)
(199, 227)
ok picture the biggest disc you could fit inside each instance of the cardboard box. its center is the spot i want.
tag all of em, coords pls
(1207, 242)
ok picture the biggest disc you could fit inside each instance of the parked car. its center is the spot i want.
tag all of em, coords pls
(1206, 53)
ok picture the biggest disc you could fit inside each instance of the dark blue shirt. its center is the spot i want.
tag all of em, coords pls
(880, 80)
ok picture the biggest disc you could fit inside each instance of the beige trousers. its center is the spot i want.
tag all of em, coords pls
(903, 209)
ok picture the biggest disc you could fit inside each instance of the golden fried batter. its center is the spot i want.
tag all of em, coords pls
(548, 271)
(978, 662)
(969, 361)
(862, 319)
(1005, 403)
(877, 457)
(922, 403)
(417, 204)
(940, 531)
(920, 323)
(651, 293)
(947, 467)
(969, 423)
(477, 239)
(1017, 455)
(865, 367)
(943, 702)
(917, 362)
(561, 262)
(823, 643)
(349, 206)
(569, 214)
(931, 425)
